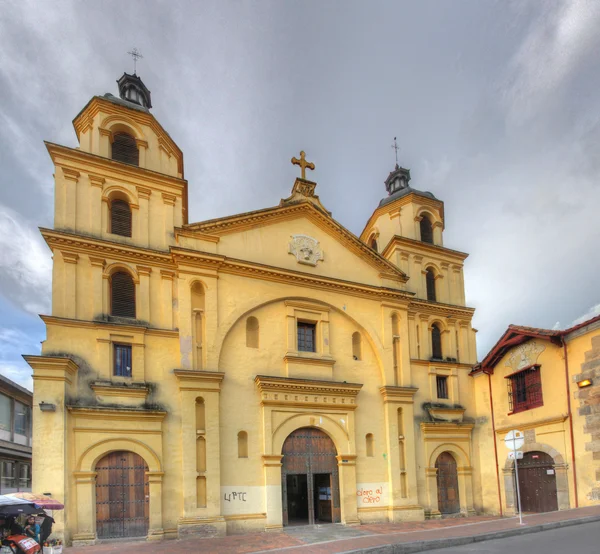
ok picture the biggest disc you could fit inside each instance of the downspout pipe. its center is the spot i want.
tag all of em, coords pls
(488, 373)
(570, 415)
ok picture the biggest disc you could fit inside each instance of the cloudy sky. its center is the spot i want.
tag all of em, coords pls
(495, 105)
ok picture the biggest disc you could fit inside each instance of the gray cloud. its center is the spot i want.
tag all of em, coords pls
(495, 106)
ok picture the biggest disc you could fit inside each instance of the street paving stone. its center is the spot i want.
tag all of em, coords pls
(334, 538)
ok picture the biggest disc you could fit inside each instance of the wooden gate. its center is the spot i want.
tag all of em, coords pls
(537, 483)
(447, 484)
(122, 494)
(310, 452)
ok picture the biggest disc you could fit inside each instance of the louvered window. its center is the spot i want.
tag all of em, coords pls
(426, 230)
(120, 218)
(430, 278)
(436, 342)
(525, 389)
(124, 149)
(122, 292)
(122, 360)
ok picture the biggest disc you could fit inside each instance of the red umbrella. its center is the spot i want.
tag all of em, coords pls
(42, 500)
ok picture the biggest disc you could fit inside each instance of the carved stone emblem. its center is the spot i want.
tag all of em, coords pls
(306, 249)
(525, 355)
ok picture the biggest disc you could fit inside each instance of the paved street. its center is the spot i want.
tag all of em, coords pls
(579, 539)
(330, 539)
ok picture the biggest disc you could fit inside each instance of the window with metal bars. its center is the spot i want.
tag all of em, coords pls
(306, 336)
(426, 230)
(122, 365)
(525, 390)
(442, 386)
(122, 292)
(120, 218)
(124, 149)
(430, 280)
(436, 342)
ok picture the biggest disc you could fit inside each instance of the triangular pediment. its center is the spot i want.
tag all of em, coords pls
(273, 236)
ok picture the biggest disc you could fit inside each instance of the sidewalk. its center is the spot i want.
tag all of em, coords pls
(381, 538)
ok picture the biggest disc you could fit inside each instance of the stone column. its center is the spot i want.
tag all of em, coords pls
(106, 140)
(70, 284)
(167, 278)
(445, 287)
(71, 178)
(96, 204)
(433, 511)
(144, 216)
(465, 490)
(418, 272)
(510, 492)
(143, 298)
(85, 494)
(424, 337)
(169, 207)
(155, 528)
(412, 335)
(347, 475)
(142, 146)
(273, 502)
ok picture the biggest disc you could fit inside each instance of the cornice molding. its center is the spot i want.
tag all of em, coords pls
(402, 395)
(423, 306)
(111, 326)
(532, 424)
(289, 385)
(116, 414)
(94, 163)
(197, 380)
(183, 256)
(82, 244)
(415, 246)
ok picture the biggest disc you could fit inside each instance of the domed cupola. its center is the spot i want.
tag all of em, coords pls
(132, 89)
(397, 180)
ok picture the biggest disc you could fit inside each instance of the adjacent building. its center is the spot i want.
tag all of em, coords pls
(545, 383)
(246, 372)
(15, 437)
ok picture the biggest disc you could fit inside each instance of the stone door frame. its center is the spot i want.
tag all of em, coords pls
(562, 478)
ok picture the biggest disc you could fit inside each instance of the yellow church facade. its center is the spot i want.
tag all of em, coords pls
(247, 372)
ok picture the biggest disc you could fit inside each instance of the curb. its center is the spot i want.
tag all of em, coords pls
(420, 546)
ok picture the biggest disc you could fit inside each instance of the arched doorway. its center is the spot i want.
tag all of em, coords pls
(447, 484)
(309, 478)
(537, 483)
(122, 496)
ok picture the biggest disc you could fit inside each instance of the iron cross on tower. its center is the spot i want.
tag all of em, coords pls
(136, 55)
(303, 164)
(396, 148)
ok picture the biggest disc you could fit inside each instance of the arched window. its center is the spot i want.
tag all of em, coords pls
(436, 342)
(369, 440)
(430, 279)
(124, 149)
(120, 218)
(356, 346)
(242, 444)
(122, 295)
(373, 244)
(252, 328)
(426, 230)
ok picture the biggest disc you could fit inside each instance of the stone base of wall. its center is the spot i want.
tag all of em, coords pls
(202, 528)
(589, 406)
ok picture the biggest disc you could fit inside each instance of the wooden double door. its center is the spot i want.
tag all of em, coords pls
(447, 484)
(309, 478)
(122, 496)
(537, 483)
